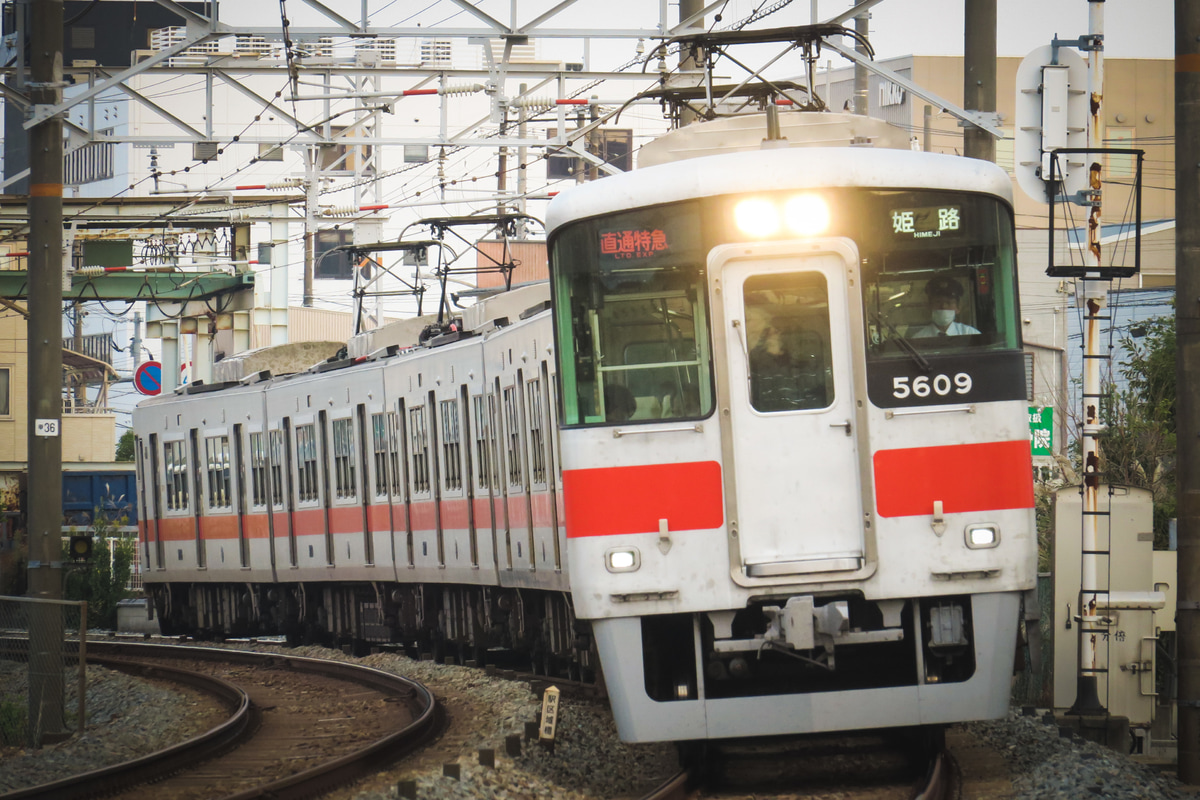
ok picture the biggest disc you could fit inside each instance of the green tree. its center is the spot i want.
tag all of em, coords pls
(125, 446)
(1139, 449)
(101, 581)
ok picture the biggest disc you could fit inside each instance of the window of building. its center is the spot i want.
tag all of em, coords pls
(5, 392)
(330, 263)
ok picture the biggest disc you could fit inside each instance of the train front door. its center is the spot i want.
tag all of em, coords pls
(796, 476)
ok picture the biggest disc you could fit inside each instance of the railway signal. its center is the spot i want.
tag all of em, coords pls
(81, 548)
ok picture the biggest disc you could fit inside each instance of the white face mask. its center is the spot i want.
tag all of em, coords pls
(942, 317)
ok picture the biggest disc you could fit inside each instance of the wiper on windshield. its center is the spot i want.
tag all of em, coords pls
(903, 343)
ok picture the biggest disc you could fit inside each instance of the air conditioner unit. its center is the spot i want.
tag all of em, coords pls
(204, 151)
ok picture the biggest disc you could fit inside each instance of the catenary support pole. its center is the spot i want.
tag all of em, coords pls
(686, 9)
(44, 509)
(862, 26)
(1187, 408)
(979, 74)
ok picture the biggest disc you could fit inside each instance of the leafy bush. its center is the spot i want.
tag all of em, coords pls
(12, 723)
(101, 581)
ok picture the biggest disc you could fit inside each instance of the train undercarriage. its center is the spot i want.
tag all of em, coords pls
(838, 644)
(468, 623)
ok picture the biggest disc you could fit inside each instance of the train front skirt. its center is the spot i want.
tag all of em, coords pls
(915, 697)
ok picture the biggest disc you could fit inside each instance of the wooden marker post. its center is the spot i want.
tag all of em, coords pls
(549, 718)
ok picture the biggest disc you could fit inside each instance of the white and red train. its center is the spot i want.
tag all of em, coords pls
(740, 459)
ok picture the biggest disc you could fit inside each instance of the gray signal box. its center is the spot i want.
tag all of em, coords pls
(1051, 111)
(1132, 612)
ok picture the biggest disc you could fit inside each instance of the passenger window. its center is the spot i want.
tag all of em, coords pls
(633, 326)
(787, 324)
(216, 451)
(306, 463)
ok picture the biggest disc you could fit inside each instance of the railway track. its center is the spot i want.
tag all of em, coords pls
(823, 772)
(296, 727)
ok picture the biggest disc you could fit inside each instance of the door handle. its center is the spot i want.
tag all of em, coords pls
(845, 425)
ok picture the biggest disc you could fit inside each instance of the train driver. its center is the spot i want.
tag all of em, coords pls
(619, 404)
(944, 294)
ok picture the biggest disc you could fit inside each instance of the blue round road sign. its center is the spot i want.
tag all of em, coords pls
(147, 379)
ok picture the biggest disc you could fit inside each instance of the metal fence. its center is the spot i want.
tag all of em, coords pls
(43, 680)
(1033, 683)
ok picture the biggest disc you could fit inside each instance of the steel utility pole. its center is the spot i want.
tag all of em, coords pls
(1095, 298)
(45, 375)
(1187, 404)
(862, 26)
(311, 198)
(688, 8)
(979, 74)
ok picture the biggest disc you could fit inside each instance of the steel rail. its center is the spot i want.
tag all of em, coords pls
(428, 723)
(161, 762)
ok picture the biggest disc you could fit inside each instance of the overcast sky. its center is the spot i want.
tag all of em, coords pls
(1135, 28)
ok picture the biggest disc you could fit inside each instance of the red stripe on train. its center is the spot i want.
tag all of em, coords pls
(614, 500)
(965, 477)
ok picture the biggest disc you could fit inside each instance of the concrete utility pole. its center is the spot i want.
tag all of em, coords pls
(45, 375)
(1187, 404)
(979, 74)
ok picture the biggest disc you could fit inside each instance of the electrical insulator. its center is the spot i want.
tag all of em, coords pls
(461, 88)
(532, 102)
(338, 211)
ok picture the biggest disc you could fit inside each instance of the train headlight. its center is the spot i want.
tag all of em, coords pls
(982, 535)
(756, 217)
(806, 215)
(622, 559)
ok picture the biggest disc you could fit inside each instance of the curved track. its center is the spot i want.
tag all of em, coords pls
(243, 757)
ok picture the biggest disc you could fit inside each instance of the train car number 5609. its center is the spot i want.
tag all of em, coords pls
(925, 385)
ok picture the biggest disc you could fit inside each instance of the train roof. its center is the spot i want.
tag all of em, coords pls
(777, 169)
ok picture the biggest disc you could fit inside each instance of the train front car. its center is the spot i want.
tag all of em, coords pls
(796, 467)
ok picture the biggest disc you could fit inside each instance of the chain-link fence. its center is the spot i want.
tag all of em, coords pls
(42, 670)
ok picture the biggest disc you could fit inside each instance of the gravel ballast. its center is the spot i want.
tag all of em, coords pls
(130, 717)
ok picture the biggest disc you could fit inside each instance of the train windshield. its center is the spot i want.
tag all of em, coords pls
(939, 274)
(635, 344)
